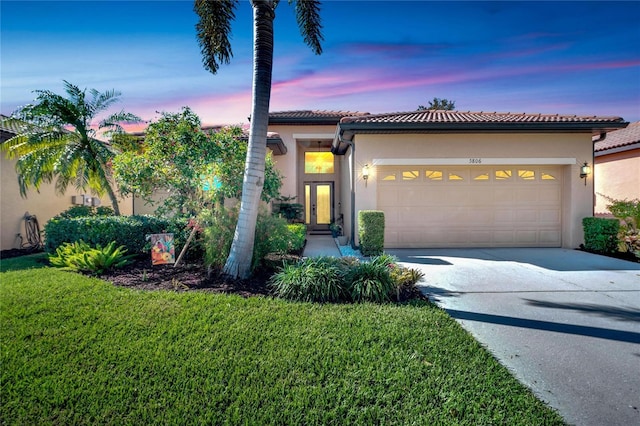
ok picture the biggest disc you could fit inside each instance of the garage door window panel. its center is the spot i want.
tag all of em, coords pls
(433, 175)
(526, 174)
(503, 175)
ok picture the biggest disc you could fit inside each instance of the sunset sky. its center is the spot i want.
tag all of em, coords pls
(379, 56)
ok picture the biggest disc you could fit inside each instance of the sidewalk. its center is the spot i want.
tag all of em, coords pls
(320, 245)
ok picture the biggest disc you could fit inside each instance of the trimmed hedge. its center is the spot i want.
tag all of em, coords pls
(371, 232)
(129, 231)
(600, 234)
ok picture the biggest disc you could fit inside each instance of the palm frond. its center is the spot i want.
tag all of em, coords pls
(214, 31)
(309, 22)
(112, 122)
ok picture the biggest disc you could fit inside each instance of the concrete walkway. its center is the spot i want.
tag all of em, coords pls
(321, 245)
(565, 322)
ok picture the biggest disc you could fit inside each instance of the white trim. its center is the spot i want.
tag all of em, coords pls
(314, 136)
(471, 161)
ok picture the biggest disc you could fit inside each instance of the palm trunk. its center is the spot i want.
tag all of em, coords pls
(114, 200)
(238, 263)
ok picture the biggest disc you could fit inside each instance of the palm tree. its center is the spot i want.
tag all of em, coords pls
(58, 141)
(213, 30)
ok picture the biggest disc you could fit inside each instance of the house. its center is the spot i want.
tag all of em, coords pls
(44, 204)
(617, 166)
(444, 178)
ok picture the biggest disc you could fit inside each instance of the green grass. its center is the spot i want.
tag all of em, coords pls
(23, 262)
(77, 350)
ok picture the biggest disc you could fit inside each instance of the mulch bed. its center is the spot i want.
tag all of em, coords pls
(141, 275)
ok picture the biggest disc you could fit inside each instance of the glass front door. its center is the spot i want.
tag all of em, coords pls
(318, 205)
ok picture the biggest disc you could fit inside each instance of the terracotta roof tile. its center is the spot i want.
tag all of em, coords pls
(620, 138)
(440, 116)
(9, 125)
(311, 116)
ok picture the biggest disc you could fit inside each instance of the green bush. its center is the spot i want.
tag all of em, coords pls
(291, 212)
(600, 234)
(84, 211)
(315, 280)
(273, 235)
(370, 282)
(297, 237)
(80, 256)
(371, 232)
(318, 279)
(129, 231)
(628, 212)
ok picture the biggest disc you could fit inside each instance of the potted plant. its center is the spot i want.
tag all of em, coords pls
(336, 230)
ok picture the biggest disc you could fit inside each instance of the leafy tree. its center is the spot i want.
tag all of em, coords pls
(195, 168)
(58, 141)
(213, 31)
(439, 104)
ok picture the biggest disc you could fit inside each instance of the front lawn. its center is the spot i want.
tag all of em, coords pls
(77, 350)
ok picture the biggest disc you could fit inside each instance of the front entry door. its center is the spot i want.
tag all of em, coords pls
(318, 205)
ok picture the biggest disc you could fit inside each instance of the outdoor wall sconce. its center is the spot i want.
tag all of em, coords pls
(365, 174)
(585, 171)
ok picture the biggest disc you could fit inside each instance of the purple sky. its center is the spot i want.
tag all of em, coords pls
(379, 56)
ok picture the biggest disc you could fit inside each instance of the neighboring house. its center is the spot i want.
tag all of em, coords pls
(444, 178)
(44, 204)
(617, 166)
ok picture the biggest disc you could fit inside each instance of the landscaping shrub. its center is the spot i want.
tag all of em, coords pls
(370, 282)
(80, 256)
(600, 234)
(129, 231)
(318, 279)
(83, 211)
(628, 213)
(273, 235)
(314, 280)
(297, 237)
(371, 232)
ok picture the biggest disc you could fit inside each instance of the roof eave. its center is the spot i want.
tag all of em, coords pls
(347, 130)
(617, 149)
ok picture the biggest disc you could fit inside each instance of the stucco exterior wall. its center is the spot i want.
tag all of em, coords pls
(577, 201)
(289, 163)
(43, 204)
(617, 176)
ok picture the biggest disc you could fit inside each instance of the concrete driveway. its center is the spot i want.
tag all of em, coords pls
(565, 322)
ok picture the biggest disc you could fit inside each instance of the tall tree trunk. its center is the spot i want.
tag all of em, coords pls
(114, 200)
(238, 263)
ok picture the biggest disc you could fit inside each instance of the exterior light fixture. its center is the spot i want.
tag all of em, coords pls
(365, 174)
(585, 170)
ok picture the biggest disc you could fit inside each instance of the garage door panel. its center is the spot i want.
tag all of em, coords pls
(467, 207)
(550, 195)
(550, 216)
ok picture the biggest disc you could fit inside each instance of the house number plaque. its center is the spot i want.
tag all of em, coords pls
(475, 160)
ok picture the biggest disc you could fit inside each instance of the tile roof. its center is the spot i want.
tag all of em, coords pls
(620, 138)
(440, 116)
(9, 125)
(311, 116)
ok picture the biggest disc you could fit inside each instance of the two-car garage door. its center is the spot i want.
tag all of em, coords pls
(476, 206)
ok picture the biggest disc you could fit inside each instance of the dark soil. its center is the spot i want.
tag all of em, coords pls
(190, 276)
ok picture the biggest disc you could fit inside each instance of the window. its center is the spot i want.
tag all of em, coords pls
(481, 176)
(547, 176)
(433, 174)
(503, 174)
(410, 174)
(318, 162)
(389, 176)
(455, 177)
(527, 174)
